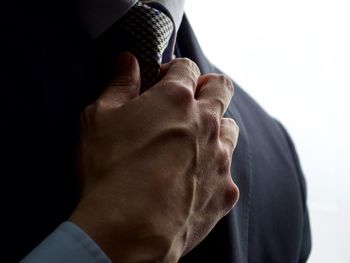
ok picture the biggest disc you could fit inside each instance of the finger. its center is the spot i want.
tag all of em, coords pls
(125, 83)
(231, 195)
(164, 69)
(215, 91)
(182, 72)
(229, 132)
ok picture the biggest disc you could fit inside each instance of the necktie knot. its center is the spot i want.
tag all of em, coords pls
(147, 32)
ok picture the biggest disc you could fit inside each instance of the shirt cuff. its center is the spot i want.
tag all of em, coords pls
(99, 15)
(68, 244)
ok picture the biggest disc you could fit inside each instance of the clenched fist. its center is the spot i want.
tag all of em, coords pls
(155, 168)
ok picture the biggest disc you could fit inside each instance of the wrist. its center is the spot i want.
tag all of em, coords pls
(122, 241)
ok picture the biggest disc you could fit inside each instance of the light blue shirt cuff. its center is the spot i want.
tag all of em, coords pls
(68, 244)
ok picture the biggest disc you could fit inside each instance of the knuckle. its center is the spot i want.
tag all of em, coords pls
(209, 79)
(231, 195)
(211, 125)
(230, 141)
(189, 65)
(236, 128)
(178, 92)
(233, 126)
(186, 62)
(226, 82)
(223, 162)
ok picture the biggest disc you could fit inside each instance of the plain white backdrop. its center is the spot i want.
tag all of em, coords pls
(293, 57)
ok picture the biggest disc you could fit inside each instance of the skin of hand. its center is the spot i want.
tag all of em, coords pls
(155, 168)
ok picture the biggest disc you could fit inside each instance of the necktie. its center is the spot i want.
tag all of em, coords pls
(146, 32)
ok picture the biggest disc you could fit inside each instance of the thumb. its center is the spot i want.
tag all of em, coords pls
(125, 83)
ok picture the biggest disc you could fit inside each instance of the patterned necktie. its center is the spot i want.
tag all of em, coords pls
(146, 32)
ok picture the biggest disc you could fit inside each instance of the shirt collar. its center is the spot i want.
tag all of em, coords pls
(174, 7)
(99, 15)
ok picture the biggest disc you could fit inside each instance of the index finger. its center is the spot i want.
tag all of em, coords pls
(215, 91)
(182, 71)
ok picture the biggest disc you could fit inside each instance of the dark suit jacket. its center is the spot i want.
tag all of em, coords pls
(50, 70)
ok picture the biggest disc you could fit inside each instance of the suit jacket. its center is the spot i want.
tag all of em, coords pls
(51, 69)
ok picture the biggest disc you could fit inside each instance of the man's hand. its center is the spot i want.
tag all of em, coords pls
(155, 168)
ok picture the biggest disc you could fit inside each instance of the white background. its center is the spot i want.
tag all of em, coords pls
(293, 57)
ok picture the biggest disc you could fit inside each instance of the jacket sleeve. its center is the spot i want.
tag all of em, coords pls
(67, 244)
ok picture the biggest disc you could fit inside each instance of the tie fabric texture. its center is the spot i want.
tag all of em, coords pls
(146, 32)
